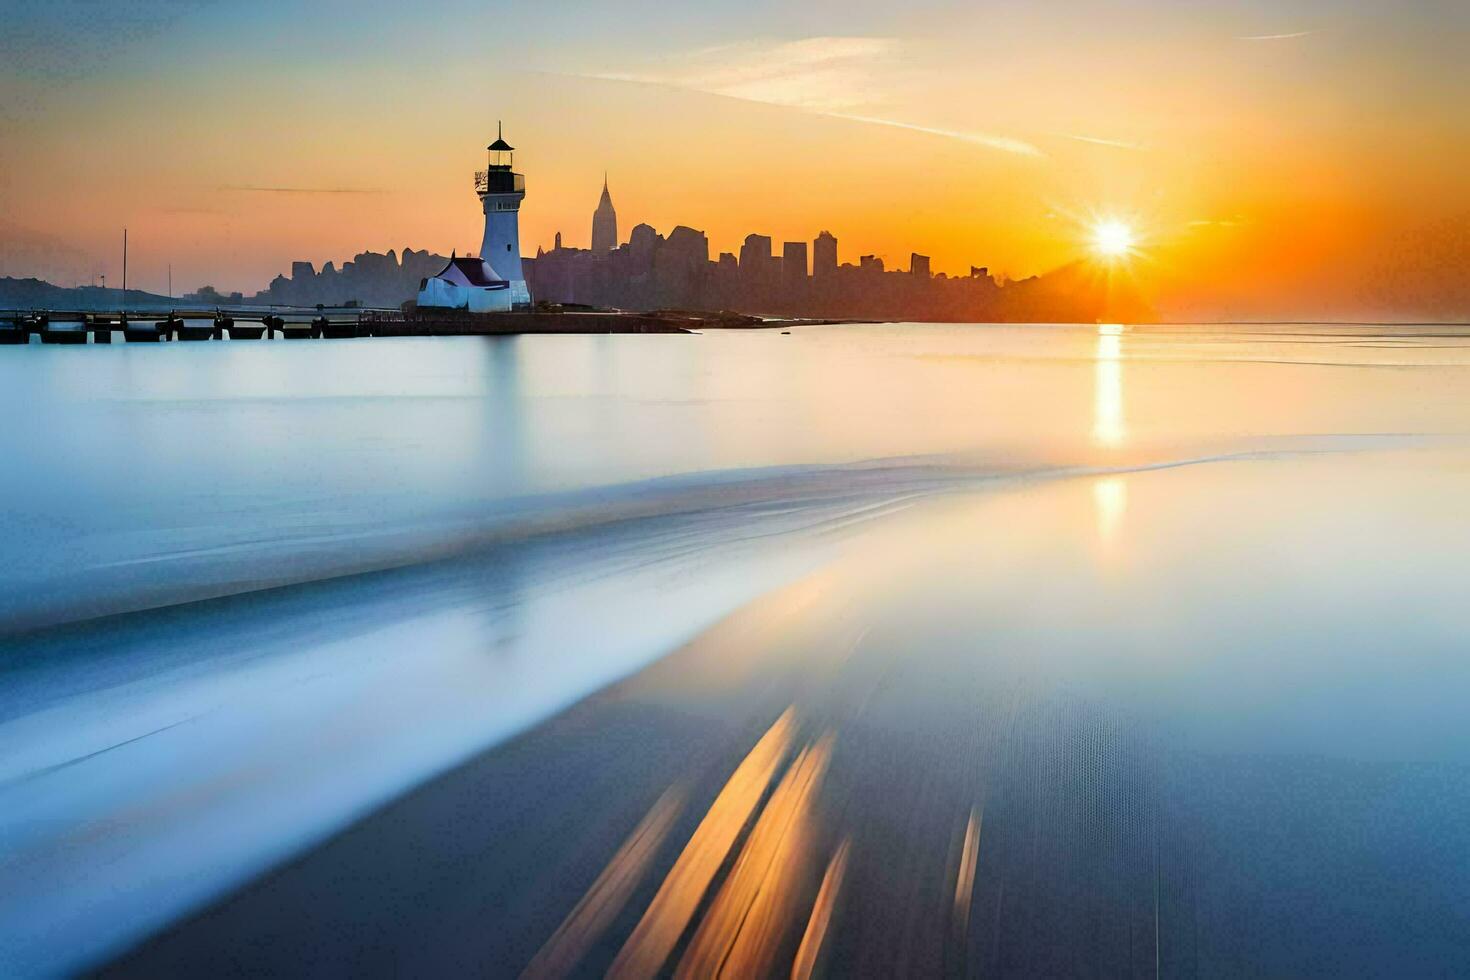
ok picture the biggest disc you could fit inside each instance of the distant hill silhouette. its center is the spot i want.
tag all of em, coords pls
(1421, 273)
(368, 279)
(37, 294)
(1075, 293)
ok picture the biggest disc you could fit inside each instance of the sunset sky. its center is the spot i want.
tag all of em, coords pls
(1284, 158)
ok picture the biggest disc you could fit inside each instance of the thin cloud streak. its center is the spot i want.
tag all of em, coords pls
(832, 76)
(1007, 144)
(1278, 37)
(1100, 141)
(822, 73)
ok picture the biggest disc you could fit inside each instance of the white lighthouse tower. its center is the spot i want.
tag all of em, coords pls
(501, 191)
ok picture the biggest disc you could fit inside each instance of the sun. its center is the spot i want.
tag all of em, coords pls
(1113, 239)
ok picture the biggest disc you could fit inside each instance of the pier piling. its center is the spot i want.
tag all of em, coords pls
(185, 330)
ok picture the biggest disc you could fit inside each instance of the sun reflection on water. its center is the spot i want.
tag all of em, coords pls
(684, 888)
(1107, 405)
(1110, 498)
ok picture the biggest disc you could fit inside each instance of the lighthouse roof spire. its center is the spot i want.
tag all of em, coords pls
(500, 144)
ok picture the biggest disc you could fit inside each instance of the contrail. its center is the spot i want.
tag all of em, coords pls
(1100, 141)
(1006, 143)
(1277, 37)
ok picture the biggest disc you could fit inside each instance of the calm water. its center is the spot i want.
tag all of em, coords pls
(999, 649)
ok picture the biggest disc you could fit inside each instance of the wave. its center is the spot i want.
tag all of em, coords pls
(167, 571)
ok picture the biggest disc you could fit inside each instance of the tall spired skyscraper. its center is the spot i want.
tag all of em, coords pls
(501, 192)
(604, 223)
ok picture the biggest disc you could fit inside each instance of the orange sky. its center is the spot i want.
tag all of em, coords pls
(1291, 159)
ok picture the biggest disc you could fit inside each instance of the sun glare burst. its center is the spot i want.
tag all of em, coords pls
(1113, 239)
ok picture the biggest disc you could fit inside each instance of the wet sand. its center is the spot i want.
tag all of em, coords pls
(954, 749)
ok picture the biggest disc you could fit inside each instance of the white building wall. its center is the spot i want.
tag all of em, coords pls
(502, 244)
(442, 295)
(489, 300)
(439, 294)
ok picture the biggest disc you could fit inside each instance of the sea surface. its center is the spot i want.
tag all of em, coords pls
(904, 649)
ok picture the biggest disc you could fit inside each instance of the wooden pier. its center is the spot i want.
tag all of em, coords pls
(155, 326)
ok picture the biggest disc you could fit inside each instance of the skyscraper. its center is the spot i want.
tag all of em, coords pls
(793, 268)
(604, 223)
(824, 255)
(755, 254)
(643, 245)
(757, 267)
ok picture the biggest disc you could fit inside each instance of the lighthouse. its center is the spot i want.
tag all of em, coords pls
(501, 191)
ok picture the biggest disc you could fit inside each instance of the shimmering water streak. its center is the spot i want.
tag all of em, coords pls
(1107, 423)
